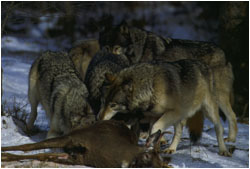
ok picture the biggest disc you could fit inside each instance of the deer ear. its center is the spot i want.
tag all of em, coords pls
(147, 156)
(110, 77)
(153, 139)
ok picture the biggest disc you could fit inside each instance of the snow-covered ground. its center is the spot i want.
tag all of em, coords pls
(19, 51)
(205, 154)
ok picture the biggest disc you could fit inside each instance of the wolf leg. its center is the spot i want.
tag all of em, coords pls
(212, 114)
(54, 130)
(33, 114)
(228, 111)
(177, 135)
(34, 101)
(166, 120)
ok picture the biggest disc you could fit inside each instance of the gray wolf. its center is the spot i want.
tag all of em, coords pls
(54, 82)
(103, 62)
(81, 54)
(140, 46)
(168, 91)
(223, 80)
(103, 144)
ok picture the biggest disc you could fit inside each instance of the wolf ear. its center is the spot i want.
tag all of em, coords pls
(124, 27)
(138, 38)
(110, 77)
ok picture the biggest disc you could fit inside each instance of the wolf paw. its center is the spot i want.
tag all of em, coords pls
(169, 151)
(225, 153)
(163, 142)
(229, 140)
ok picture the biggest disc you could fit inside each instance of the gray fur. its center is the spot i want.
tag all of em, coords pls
(82, 53)
(102, 63)
(153, 47)
(54, 82)
(141, 46)
(171, 92)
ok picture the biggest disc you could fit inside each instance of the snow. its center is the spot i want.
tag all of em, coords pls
(19, 51)
(9, 43)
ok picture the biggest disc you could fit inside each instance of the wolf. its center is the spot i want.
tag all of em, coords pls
(103, 62)
(140, 46)
(223, 80)
(54, 82)
(168, 91)
(81, 54)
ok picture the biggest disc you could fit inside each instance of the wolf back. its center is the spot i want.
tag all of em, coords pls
(54, 82)
(81, 54)
(141, 46)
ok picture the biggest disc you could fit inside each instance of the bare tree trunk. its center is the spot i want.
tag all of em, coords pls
(70, 20)
(8, 13)
(234, 21)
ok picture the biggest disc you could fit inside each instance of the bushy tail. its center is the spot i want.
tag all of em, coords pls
(195, 126)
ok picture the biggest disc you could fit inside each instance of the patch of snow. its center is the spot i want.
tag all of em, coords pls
(14, 44)
(16, 70)
(48, 21)
(205, 154)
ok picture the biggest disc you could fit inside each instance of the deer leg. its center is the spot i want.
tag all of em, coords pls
(54, 157)
(59, 142)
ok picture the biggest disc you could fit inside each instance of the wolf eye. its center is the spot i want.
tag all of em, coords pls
(112, 105)
(102, 101)
(117, 50)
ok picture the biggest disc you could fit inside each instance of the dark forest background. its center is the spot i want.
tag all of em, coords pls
(224, 23)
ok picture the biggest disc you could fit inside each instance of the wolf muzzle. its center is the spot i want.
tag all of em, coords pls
(106, 113)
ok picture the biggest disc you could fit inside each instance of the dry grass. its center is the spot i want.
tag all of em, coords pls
(14, 108)
(17, 110)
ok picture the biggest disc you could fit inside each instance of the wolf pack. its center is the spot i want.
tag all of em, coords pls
(143, 81)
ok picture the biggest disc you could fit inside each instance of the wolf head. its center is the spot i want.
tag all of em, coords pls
(114, 97)
(130, 39)
(130, 90)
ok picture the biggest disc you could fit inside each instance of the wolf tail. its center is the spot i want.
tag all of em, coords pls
(195, 126)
